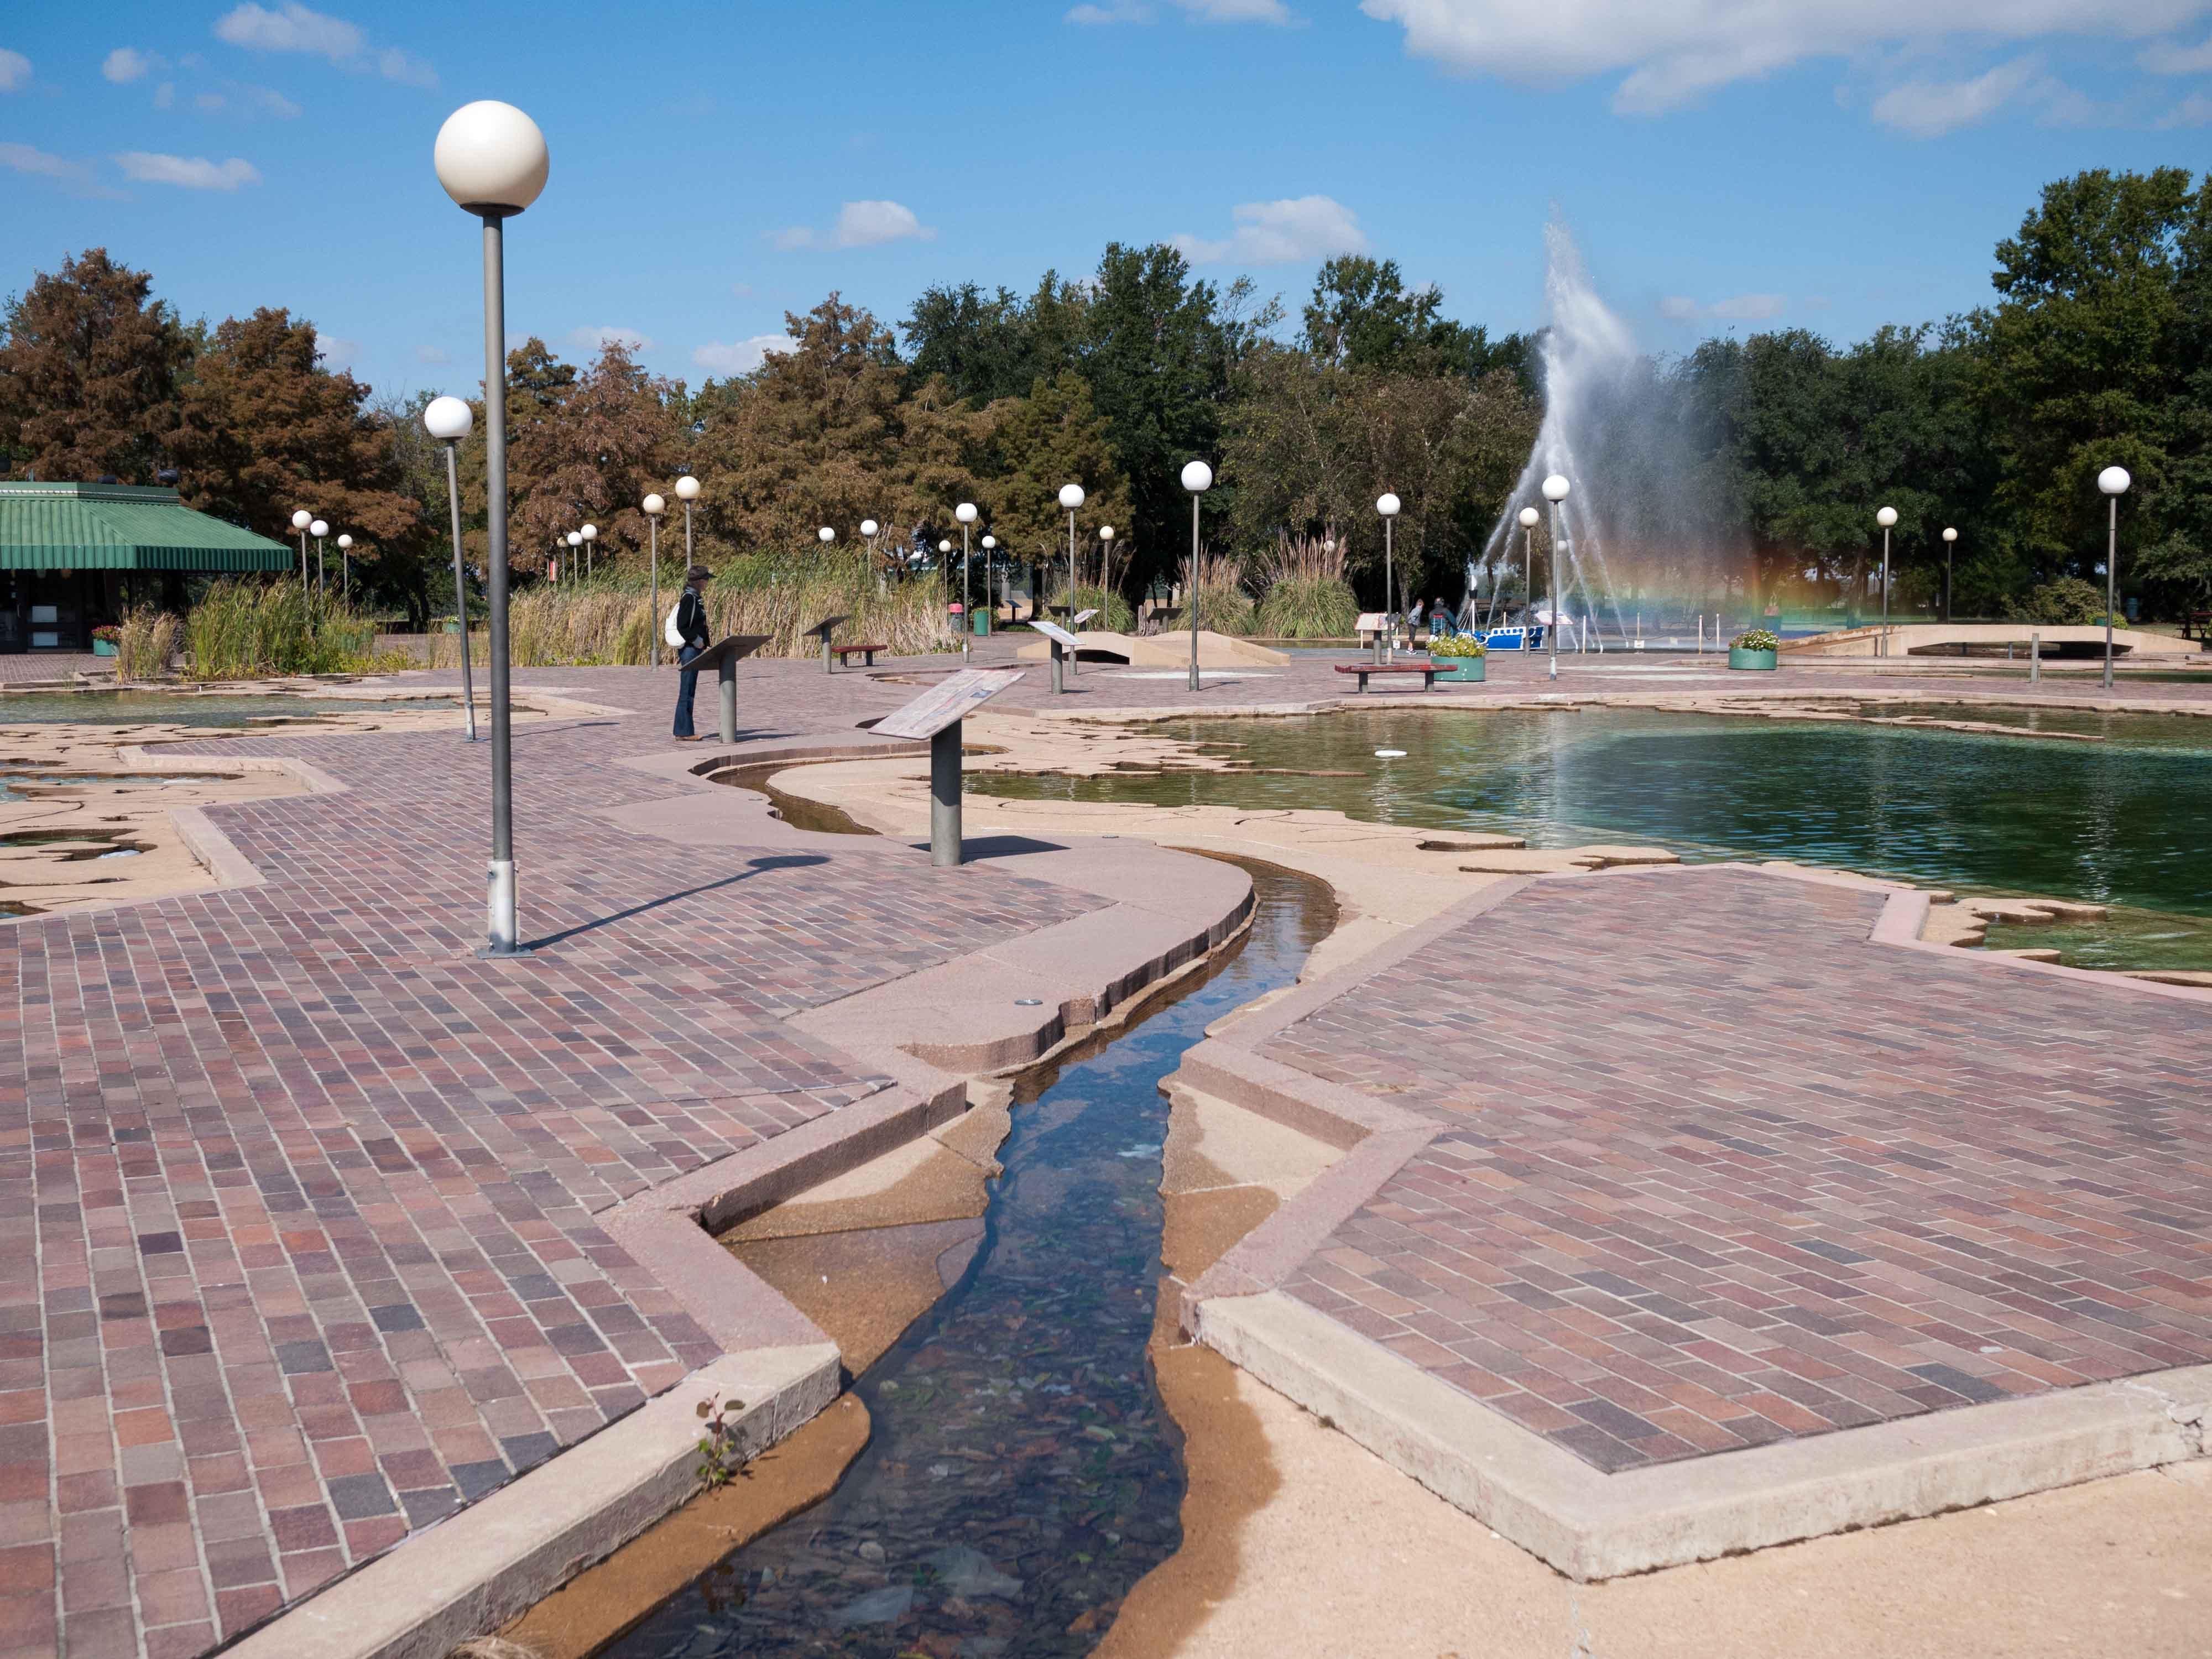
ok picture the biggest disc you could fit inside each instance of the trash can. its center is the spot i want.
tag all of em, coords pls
(982, 621)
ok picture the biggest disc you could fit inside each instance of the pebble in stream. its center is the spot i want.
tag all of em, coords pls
(1022, 1475)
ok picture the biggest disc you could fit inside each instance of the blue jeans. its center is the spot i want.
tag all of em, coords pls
(687, 687)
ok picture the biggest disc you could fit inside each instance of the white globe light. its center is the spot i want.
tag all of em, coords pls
(345, 542)
(944, 547)
(1386, 505)
(687, 488)
(2114, 481)
(1328, 543)
(491, 157)
(590, 533)
(825, 534)
(1556, 487)
(302, 519)
(1950, 535)
(319, 529)
(1071, 496)
(1885, 517)
(868, 527)
(965, 512)
(1197, 478)
(989, 542)
(575, 538)
(1105, 532)
(1528, 517)
(654, 507)
(447, 419)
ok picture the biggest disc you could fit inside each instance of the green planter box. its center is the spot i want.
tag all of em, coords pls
(1741, 659)
(103, 647)
(1462, 669)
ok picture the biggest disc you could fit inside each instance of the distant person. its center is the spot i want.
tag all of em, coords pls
(689, 627)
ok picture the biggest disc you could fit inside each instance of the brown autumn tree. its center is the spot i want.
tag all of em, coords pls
(266, 430)
(88, 370)
(585, 448)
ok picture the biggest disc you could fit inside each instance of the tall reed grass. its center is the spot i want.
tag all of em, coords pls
(1306, 595)
(244, 629)
(148, 644)
(1224, 606)
(589, 624)
(1114, 616)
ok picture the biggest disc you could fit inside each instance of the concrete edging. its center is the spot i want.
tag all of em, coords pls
(476, 1570)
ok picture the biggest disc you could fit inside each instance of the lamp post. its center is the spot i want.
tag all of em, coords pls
(575, 540)
(1950, 541)
(1071, 497)
(990, 562)
(345, 566)
(448, 420)
(590, 532)
(1386, 505)
(1528, 517)
(1106, 572)
(966, 513)
(1887, 518)
(491, 159)
(1555, 491)
(2114, 481)
(301, 520)
(868, 528)
(1198, 478)
(319, 530)
(654, 507)
(687, 491)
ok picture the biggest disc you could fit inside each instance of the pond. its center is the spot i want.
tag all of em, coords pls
(1022, 1475)
(151, 708)
(2118, 821)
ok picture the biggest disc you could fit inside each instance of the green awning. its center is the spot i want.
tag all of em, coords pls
(73, 526)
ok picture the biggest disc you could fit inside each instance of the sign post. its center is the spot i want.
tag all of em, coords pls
(823, 630)
(722, 657)
(1063, 644)
(936, 714)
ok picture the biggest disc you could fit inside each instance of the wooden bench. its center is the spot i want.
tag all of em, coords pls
(845, 653)
(2202, 622)
(1427, 673)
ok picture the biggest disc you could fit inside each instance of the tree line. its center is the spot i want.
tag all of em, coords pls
(2096, 348)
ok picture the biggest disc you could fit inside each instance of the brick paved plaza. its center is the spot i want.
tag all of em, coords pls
(1717, 1171)
(298, 1199)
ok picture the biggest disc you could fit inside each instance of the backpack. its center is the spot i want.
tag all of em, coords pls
(668, 628)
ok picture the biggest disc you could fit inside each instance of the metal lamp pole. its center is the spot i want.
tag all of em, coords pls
(966, 513)
(1887, 518)
(301, 520)
(491, 159)
(448, 420)
(1950, 541)
(591, 535)
(1386, 505)
(1555, 491)
(1528, 517)
(2114, 481)
(654, 507)
(319, 530)
(1198, 478)
(345, 566)
(1071, 497)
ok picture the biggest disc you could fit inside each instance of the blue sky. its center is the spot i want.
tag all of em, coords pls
(1830, 163)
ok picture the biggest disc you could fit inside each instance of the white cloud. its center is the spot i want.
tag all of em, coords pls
(596, 340)
(1288, 232)
(860, 224)
(127, 64)
(21, 158)
(1929, 109)
(1122, 11)
(263, 101)
(429, 354)
(1670, 53)
(336, 353)
(2177, 60)
(741, 358)
(2194, 110)
(210, 101)
(165, 95)
(293, 27)
(192, 172)
(14, 69)
(1739, 308)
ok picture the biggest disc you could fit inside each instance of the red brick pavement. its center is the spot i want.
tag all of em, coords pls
(1721, 1172)
(297, 1248)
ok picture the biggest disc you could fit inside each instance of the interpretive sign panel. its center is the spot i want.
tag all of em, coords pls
(1083, 617)
(1059, 635)
(728, 650)
(823, 629)
(946, 702)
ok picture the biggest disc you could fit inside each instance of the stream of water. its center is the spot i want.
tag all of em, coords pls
(1022, 1475)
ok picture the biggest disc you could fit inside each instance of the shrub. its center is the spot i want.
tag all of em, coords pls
(146, 643)
(1305, 595)
(1114, 616)
(1224, 606)
(1458, 644)
(249, 630)
(1757, 639)
(2067, 601)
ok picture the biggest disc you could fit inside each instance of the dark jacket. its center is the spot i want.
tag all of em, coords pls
(691, 620)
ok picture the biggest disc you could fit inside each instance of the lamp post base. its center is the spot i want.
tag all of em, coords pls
(945, 848)
(500, 911)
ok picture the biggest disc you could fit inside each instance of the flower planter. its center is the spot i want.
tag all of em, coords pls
(103, 647)
(1462, 669)
(1740, 657)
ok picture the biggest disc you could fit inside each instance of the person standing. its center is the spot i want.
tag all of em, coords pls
(691, 631)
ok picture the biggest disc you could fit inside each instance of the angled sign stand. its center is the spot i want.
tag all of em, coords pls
(936, 714)
(722, 657)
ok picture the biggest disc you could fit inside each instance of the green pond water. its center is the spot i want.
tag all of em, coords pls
(139, 707)
(2125, 821)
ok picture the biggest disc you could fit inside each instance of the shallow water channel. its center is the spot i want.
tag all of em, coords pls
(1022, 1475)
(168, 708)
